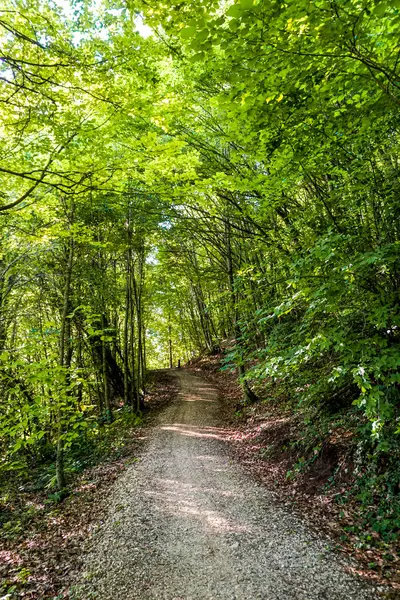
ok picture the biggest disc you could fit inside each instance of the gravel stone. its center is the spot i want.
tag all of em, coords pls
(186, 523)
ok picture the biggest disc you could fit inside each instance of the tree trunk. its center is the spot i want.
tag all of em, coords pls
(249, 395)
(106, 385)
(64, 362)
(127, 399)
(170, 347)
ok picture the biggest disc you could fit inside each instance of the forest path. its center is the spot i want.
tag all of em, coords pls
(187, 523)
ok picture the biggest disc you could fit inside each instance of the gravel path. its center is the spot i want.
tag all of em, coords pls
(186, 523)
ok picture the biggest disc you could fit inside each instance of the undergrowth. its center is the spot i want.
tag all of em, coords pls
(96, 446)
(322, 452)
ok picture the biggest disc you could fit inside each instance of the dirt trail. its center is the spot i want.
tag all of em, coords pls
(187, 523)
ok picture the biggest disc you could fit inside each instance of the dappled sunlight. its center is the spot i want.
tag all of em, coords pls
(198, 432)
(35, 505)
(187, 502)
(198, 501)
(193, 398)
(205, 457)
(272, 422)
(213, 520)
(198, 397)
(85, 487)
(203, 392)
(10, 558)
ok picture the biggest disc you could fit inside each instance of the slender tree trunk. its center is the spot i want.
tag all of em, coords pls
(64, 362)
(132, 351)
(106, 385)
(79, 364)
(144, 367)
(170, 346)
(137, 285)
(249, 395)
(127, 398)
(2, 315)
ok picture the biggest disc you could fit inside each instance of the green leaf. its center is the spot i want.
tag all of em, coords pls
(188, 32)
(202, 35)
(234, 11)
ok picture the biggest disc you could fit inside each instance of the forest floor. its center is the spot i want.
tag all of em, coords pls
(187, 505)
(187, 522)
(41, 539)
(267, 439)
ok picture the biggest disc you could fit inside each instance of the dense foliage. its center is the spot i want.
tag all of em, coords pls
(228, 177)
